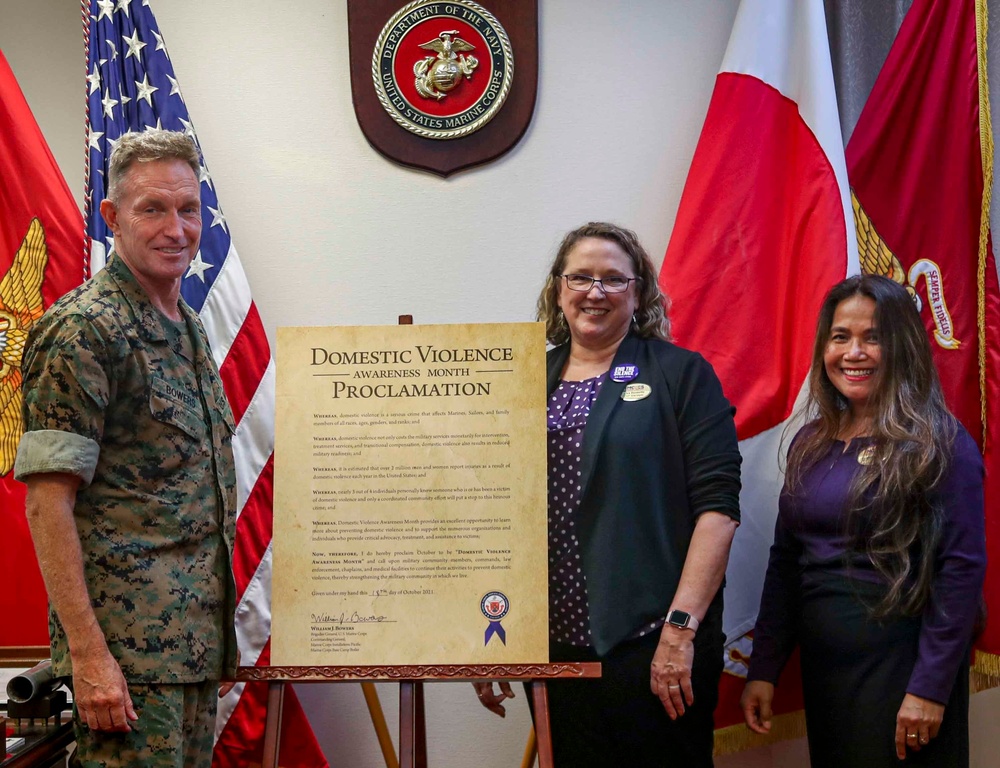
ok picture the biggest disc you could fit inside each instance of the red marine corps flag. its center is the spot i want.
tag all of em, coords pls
(41, 257)
(763, 230)
(920, 166)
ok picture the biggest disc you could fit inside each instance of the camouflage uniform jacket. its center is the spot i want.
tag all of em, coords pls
(110, 398)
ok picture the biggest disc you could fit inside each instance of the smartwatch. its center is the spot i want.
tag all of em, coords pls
(682, 620)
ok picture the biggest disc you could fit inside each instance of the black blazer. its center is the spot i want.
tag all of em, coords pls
(649, 468)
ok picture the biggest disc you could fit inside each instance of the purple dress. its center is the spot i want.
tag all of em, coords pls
(856, 669)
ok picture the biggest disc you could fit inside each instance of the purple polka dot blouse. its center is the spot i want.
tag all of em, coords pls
(569, 407)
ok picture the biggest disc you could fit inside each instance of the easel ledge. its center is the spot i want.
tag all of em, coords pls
(412, 731)
(419, 672)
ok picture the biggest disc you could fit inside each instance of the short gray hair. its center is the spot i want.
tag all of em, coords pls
(150, 145)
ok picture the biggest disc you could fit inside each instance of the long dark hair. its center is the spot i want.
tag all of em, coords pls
(891, 517)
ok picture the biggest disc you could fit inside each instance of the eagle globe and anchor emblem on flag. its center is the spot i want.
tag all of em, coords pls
(878, 259)
(20, 307)
(442, 70)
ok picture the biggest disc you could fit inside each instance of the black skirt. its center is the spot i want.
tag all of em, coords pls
(854, 675)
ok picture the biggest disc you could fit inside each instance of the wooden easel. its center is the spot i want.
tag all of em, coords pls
(411, 679)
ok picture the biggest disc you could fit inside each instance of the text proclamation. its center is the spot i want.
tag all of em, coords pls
(410, 496)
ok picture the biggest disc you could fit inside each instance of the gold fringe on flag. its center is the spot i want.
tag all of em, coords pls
(986, 148)
(737, 738)
(985, 672)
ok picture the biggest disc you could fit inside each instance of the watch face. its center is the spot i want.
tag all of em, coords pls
(679, 618)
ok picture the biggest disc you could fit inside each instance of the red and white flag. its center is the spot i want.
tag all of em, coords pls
(764, 228)
(41, 257)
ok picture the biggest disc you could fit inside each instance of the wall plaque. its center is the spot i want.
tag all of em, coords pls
(443, 86)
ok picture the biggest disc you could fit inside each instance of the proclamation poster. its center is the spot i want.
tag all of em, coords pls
(410, 496)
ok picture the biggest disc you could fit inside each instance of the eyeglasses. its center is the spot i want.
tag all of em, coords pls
(612, 284)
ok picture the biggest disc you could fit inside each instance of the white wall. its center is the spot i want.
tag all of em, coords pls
(331, 233)
(328, 230)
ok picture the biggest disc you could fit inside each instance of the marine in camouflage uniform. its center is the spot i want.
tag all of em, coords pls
(129, 404)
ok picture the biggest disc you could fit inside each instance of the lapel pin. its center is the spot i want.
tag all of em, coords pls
(635, 392)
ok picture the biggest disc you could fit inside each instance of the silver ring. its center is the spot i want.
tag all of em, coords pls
(673, 686)
(911, 735)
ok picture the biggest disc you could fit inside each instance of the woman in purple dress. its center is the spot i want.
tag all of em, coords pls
(644, 481)
(879, 553)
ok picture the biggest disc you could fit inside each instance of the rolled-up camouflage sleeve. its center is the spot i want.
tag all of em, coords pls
(66, 393)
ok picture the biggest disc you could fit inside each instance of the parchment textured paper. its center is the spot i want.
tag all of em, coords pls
(410, 496)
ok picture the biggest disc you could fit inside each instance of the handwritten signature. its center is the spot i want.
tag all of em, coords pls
(347, 618)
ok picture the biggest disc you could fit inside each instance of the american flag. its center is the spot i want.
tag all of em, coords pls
(131, 87)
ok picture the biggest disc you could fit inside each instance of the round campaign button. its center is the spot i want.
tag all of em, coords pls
(624, 373)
